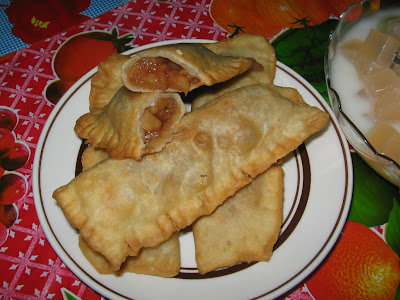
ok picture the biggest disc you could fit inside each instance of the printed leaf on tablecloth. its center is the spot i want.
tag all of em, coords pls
(67, 295)
(372, 195)
(393, 227)
(303, 50)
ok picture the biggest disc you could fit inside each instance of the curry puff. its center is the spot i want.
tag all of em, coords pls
(179, 68)
(243, 45)
(244, 228)
(132, 124)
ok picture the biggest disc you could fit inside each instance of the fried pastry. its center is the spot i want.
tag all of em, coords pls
(107, 81)
(179, 68)
(244, 228)
(247, 45)
(92, 156)
(253, 46)
(284, 92)
(132, 124)
(163, 260)
(121, 206)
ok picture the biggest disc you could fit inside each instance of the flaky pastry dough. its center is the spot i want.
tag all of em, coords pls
(163, 260)
(244, 228)
(107, 81)
(132, 124)
(180, 68)
(121, 206)
(245, 45)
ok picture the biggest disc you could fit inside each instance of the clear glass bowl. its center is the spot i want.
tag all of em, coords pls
(383, 165)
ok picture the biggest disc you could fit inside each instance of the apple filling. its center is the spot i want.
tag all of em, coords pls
(156, 118)
(158, 73)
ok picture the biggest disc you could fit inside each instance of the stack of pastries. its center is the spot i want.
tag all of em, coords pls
(152, 169)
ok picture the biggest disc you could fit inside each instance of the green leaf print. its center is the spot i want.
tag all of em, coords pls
(372, 195)
(303, 50)
(393, 227)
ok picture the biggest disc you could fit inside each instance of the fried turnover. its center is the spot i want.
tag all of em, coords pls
(284, 92)
(132, 124)
(121, 206)
(163, 260)
(177, 68)
(244, 228)
(252, 46)
(107, 81)
(244, 45)
(92, 156)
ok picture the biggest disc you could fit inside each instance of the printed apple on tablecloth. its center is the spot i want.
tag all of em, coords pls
(81, 53)
(13, 155)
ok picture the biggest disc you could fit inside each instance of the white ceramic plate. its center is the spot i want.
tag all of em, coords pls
(318, 189)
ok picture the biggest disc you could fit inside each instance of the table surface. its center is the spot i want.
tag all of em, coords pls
(30, 87)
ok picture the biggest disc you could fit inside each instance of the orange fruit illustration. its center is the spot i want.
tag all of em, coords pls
(339, 6)
(269, 17)
(361, 266)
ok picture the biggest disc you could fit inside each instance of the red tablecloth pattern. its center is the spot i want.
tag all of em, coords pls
(29, 268)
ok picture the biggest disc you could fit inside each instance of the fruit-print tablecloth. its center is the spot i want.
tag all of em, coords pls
(26, 22)
(33, 79)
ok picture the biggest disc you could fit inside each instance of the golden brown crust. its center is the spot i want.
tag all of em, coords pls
(210, 69)
(163, 260)
(281, 109)
(119, 126)
(92, 156)
(121, 206)
(97, 260)
(244, 228)
(107, 81)
(247, 45)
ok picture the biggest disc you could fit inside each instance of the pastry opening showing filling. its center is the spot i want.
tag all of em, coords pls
(156, 119)
(158, 73)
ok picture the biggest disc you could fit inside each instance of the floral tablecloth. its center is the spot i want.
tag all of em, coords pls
(33, 79)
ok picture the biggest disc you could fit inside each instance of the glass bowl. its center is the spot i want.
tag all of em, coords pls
(383, 165)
